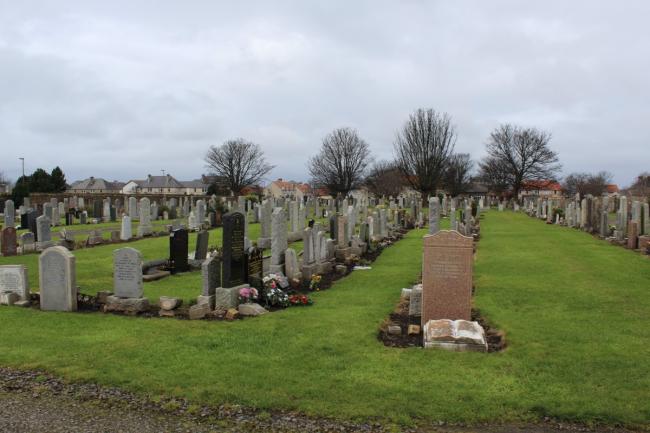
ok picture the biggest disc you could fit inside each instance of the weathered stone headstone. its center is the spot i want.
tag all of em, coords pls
(434, 215)
(201, 249)
(44, 235)
(178, 244)
(234, 254)
(13, 278)
(144, 227)
(57, 280)
(447, 276)
(27, 242)
(278, 241)
(10, 214)
(127, 273)
(126, 229)
(211, 275)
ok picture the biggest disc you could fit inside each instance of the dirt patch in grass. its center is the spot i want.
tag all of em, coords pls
(400, 316)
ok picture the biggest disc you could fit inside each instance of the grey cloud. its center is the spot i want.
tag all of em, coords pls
(122, 89)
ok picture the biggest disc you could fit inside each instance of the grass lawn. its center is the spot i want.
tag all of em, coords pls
(576, 312)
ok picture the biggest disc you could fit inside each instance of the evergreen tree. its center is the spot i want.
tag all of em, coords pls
(58, 180)
(40, 181)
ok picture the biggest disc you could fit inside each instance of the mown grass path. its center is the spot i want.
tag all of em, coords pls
(575, 310)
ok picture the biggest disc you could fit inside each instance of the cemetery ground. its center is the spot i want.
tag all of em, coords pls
(575, 311)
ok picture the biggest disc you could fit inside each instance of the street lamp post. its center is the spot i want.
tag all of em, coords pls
(23, 160)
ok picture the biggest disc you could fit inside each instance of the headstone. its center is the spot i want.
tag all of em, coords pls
(57, 280)
(278, 240)
(126, 229)
(201, 250)
(8, 242)
(291, 264)
(447, 276)
(144, 227)
(234, 254)
(178, 244)
(27, 242)
(10, 214)
(13, 278)
(434, 215)
(211, 275)
(133, 208)
(255, 268)
(127, 273)
(43, 235)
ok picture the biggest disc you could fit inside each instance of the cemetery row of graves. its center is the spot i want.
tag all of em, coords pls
(276, 254)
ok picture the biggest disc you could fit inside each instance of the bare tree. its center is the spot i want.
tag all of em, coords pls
(341, 163)
(457, 176)
(522, 153)
(240, 162)
(587, 183)
(495, 175)
(385, 179)
(641, 186)
(422, 148)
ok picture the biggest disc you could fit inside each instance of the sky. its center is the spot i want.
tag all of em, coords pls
(122, 89)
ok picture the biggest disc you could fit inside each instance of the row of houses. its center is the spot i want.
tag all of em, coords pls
(168, 184)
(152, 184)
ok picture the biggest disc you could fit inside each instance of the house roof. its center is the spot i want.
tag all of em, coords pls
(611, 189)
(545, 185)
(196, 183)
(95, 183)
(167, 181)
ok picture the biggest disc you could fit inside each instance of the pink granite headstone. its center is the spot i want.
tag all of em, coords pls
(447, 276)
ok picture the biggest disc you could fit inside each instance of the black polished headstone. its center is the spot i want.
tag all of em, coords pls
(178, 245)
(24, 221)
(69, 218)
(255, 263)
(234, 256)
(97, 208)
(333, 227)
(31, 223)
(113, 214)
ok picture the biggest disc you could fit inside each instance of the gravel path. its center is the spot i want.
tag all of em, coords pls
(35, 402)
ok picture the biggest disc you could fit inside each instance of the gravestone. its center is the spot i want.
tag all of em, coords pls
(127, 273)
(178, 244)
(255, 272)
(10, 214)
(8, 242)
(126, 229)
(27, 242)
(201, 249)
(43, 235)
(447, 276)
(144, 226)
(291, 264)
(211, 275)
(211, 278)
(234, 254)
(13, 278)
(57, 280)
(83, 217)
(434, 215)
(278, 241)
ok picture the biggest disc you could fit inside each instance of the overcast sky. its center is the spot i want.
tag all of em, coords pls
(122, 89)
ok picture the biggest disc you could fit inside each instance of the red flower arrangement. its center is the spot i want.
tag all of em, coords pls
(300, 300)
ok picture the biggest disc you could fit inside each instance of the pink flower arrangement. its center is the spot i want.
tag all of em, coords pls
(248, 295)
